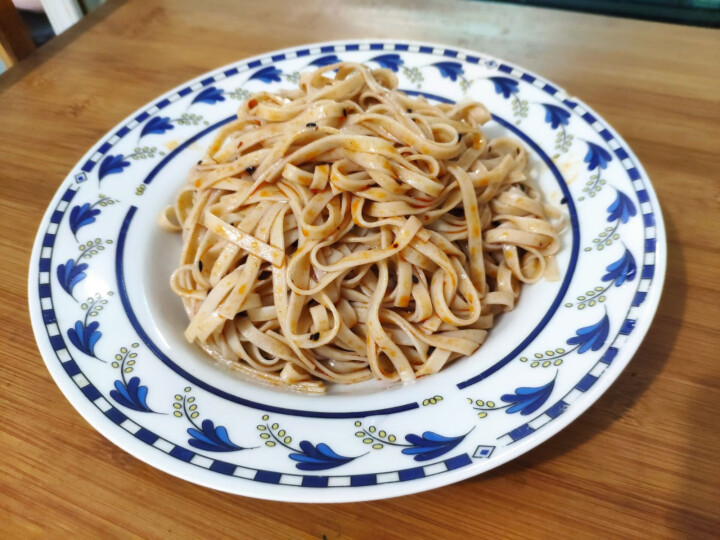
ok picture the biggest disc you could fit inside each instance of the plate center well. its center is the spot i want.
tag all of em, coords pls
(158, 314)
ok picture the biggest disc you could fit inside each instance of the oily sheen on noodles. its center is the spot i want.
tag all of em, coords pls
(344, 231)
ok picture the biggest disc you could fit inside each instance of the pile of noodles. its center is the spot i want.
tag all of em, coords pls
(344, 231)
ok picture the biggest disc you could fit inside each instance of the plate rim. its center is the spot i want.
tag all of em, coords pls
(301, 494)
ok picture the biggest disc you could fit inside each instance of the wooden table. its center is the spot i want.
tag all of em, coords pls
(643, 461)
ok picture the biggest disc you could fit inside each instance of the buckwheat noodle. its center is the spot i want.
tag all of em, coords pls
(344, 231)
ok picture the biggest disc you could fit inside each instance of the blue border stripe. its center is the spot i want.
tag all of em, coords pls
(57, 342)
(639, 298)
(363, 480)
(557, 409)
(451, 54)
(621, 153)
(91, 392)
(648, 271)
(627, 327)
(586, 382)
(411, 474)
(148, 437)
(44, 265)
(48, 316)
(521, 432)
(504, 68)
(44, 290)
(69, 194)
(183, 454)
(426, 50)
(650, 245)
(457, 462)
(376, 46)
(223, 467)
(649, 219)
(267, 477)
(71, 367)
(401, 47)
(315, 481)
(254, 64)
(115, 415)
(527, 78)
(609, 355)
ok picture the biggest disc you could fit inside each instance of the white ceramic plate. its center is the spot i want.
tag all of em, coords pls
(110, 330)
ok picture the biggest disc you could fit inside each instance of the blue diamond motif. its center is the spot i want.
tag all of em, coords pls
(483, 452)
(80, 177)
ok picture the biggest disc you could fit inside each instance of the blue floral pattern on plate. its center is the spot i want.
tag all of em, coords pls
(209, 96)
(525, 400)
(389, 61)
(205, 436)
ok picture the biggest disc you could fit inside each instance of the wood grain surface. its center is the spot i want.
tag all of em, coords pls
(642, 462)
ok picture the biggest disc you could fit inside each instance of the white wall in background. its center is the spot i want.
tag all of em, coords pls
(62, 13)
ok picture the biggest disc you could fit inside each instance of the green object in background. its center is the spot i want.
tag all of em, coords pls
(693, 12)
(90, 5)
